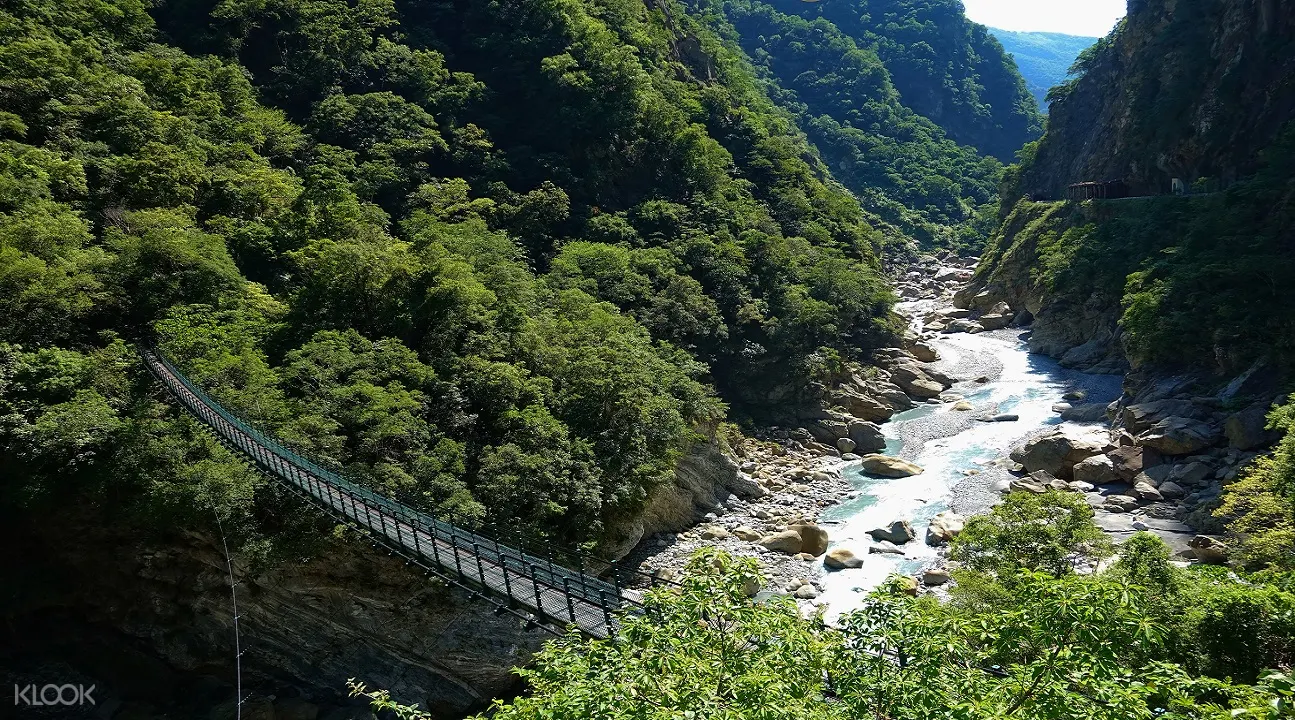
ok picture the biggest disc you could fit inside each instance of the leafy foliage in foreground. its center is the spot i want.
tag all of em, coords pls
(1072, 647)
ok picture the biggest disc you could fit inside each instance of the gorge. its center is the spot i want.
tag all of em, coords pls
(754, 295)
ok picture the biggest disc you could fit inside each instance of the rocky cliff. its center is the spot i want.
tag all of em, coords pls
(148, 620)
(1188, 89)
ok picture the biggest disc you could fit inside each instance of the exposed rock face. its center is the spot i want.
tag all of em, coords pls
(703, 478)
(147, 618)
(1179, 436)
(1248, 429)
(887, 466)
(1095, 132)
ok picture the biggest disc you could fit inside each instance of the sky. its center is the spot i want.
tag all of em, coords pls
(1092, 18)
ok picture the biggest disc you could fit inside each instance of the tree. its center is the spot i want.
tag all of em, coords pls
(1048, 532)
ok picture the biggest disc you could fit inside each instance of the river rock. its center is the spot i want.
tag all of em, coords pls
(924, 352)
(1139, 418)
(1057, 452)
(806, 592)
(1190, 474)
(1147, 493)
(1178, 435)
(887, 466)
(845, 445)
(1005, 417)
(944, 527)
(1081, 487)
(907, 585)
(747, 533)
(866, 436)
(1210, 551)
(913, 381)
(813, 538)
(1088, 413)
(1172, 490)
(1027, 485)
(841, 559)
(1248, 429)
(787, 542)
(1075, 396)
(995, 321)
(1096, 470)
(1129, 460)
(714, 532)
(884, 547)
(963, 406)
(935, 576)
(864, 406)
(1120, 503)
(964, 326)
(899, 532)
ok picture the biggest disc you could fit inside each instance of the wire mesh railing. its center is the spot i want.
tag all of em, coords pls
(534, 582)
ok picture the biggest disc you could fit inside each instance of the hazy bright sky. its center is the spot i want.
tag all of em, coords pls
(1093, 18)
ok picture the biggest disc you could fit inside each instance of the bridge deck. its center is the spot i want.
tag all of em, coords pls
(552, 592)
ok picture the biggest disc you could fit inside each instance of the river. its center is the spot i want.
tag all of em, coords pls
(958, 450)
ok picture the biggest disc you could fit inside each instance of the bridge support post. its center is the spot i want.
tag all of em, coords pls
(535, 585)
(571, 604)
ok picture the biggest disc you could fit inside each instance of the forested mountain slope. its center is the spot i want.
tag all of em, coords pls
(1044, 59)
(492, 259)
(1194, 287)
(945, 67)
(901, 166)
(1200, 91)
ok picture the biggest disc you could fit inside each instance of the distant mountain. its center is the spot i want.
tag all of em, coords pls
(1043, 58)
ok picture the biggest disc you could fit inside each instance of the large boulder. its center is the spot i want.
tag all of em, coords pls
(1057, 452)
(867, 437)
(899, 532)
(1210, 551)
(913, 381)
(887, 466)
(829, 430)
(994, 321)
(863, 406)
(1129, 460)
(1176, 435)
(1248, 429)
(1096, 470)
(787, 542)
(813, 539)
(840, 559)
(1171, 490)
(924, 352)
(944, 527)
(1139, 418)
(935, 576)
(892, 394)
(1087, 413)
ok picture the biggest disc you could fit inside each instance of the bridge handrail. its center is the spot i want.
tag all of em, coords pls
(539, 570)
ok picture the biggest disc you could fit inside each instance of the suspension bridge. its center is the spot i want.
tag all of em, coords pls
(530, 585)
